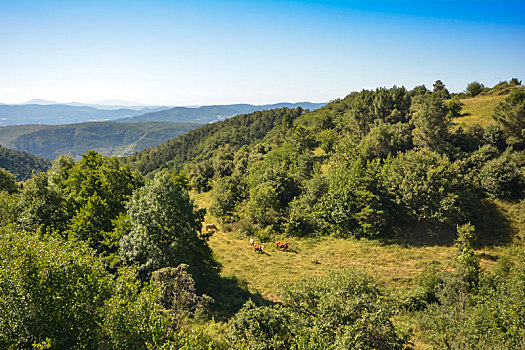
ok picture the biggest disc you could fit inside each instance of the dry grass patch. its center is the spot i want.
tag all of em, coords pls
(479, 109)
(393, 265)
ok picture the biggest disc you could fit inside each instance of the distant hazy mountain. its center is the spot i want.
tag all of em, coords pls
(22, 164)
(43, 113)
(109, 138)
(208, 114)
(39, 101)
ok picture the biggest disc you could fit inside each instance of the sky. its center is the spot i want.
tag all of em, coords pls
(221, 52)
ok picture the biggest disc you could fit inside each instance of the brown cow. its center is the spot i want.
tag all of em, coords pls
(258, 248)
(283, 245)
(210, 227)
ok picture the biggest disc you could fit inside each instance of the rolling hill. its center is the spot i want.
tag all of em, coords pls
(108, 138)
(209, 114)
(63, 113)
(22, 164)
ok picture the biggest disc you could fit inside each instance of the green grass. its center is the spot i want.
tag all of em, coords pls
(395, 265)
(479, 110)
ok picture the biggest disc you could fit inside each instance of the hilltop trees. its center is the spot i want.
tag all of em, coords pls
(510, 114)
(474, 89)
(427, 187)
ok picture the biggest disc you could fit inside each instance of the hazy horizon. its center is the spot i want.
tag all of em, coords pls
(194, 53)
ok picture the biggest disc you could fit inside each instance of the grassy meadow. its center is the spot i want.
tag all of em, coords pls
(479, 109)
(395, 265)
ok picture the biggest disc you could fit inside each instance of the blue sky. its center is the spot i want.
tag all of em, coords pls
(218, 52)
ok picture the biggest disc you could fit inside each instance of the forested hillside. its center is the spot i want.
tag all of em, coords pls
(201, 143)
(382, 220)
(22, 164)
(109, 138)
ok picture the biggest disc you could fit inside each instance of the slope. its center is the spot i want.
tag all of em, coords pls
(109, 138)
(197, 144)
(22, 164)
(62, 114)
(208, 114)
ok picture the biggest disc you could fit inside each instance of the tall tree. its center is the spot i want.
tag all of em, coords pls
(432, 123)
(510, 114)
(164, 229)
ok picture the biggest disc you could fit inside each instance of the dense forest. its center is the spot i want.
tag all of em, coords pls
(22, 164)
(108, 253)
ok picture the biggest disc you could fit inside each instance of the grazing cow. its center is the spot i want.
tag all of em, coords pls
(258, 248)
(252, 241)
(283, 245)
(210, 227)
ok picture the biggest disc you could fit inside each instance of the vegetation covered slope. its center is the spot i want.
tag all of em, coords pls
(380, 180)
(201, 143)
(22, 164)
(109, 138)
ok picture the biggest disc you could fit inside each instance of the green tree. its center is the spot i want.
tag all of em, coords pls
(352, 205)
(441, 90)
(164, 230)
(501, 178)
(91, 224)
(7, 181)
(258, 328)
(179, 297)
(50, 292)
(468, 267)
(385, 139)
(41, 206)
(474, 89)
(454, 107)
(427, 187)
(345, 307)
(510, 115)
(432, 123)
(228, 193)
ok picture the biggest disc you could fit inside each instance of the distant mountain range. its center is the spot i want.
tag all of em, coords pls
(56, 114)
(109, 138)
(39, 111)
(209, 114)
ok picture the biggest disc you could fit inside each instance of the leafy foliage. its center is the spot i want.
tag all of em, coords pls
(339, 311)
(196, 144)
(427, 186)
(510, 114)
(475, 88)
(164, 230)
(22, 164)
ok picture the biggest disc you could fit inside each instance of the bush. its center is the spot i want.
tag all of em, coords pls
(427, 187)
(51, 292)
(474, 89)
(341, 310)
(501, 178)
(490, 316)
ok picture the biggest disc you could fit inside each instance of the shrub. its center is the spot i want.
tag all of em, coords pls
(474, 89)
(427, 187)
(501, 178)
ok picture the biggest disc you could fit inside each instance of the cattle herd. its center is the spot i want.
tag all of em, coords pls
(278, 245)
(256, 247)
